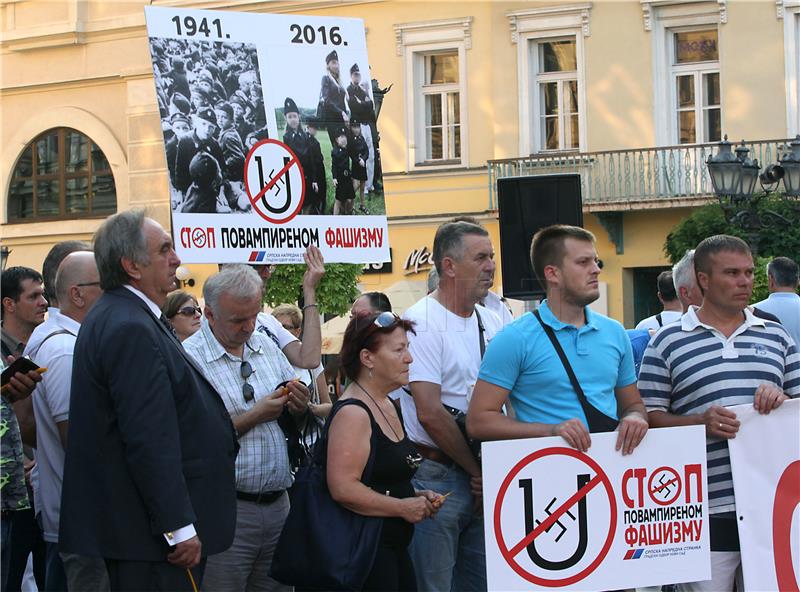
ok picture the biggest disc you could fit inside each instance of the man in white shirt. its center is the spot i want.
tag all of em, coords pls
(783, 301)
(451, 335)
(672, 309)
(77, 287)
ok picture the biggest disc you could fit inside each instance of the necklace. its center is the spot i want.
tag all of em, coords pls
(374, 402)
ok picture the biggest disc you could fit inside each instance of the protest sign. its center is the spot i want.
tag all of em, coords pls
(270, 136)
(559, 518)
(765, 461)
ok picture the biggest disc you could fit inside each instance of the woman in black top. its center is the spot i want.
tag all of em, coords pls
(375, 357)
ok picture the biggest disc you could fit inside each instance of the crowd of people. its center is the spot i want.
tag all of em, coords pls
(158, 450)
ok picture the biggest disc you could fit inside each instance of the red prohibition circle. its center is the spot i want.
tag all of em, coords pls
(676, 478)
(247, 185)
(504, 550)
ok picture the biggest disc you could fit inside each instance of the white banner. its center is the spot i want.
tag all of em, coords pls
(558, 518)
(270, 136)
(765, 459)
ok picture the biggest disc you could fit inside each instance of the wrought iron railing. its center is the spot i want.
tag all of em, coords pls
(630, 176)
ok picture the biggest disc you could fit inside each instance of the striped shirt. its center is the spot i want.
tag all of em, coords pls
(690, 366)
(263, 462)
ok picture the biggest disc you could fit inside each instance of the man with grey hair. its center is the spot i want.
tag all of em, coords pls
(783, 301)
(77, 287)
(248, 370)
(149, 468)
(451, 336)
(685, 282)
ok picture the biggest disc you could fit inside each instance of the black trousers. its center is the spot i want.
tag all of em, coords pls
(392, 571)
(26, 539)
(136, 576)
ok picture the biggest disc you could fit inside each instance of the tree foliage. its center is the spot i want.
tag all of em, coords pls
(335, 292)
(774, 240)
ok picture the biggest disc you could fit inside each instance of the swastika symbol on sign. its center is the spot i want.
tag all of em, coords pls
(558, 521)
(274, 181)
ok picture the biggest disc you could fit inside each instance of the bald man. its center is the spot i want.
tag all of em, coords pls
(77, 287)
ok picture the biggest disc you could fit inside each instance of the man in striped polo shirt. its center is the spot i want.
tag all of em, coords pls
(719, 355)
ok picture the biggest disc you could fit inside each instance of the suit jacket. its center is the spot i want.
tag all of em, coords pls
(150, 445)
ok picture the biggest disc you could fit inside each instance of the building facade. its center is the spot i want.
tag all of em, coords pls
(629, 95)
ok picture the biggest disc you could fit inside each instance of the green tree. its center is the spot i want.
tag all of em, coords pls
(774, 240)
(335, 293)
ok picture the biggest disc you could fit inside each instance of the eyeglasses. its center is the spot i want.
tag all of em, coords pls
(189, 311)
(248, 392)
(290, 327)
(88, 284)
(386, 319)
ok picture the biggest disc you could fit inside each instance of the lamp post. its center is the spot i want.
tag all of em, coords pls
(734, 178)
(4, 253)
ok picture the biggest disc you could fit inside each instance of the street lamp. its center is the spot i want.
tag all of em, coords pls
(734, 178)
(4, 253)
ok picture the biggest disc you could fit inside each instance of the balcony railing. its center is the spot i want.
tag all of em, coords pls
(666, 176)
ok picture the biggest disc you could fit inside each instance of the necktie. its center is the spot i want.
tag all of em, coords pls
(169, 326)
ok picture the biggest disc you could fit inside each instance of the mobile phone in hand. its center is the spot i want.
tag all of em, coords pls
(21, 364)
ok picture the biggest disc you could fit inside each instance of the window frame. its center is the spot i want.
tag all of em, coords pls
(529, 27)
(62, 176)
(697, 70)
(413, 42)
(790, 12)
(425, 90)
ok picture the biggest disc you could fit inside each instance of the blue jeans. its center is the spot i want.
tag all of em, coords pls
(448, 552)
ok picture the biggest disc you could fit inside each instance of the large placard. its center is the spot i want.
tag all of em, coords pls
(270, 136)
(765, 460)
(556, 518)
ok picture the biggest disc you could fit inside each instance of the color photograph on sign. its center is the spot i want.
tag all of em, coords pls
(272, 118)
(556, 518)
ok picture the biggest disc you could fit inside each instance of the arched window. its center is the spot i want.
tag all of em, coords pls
(62, 174)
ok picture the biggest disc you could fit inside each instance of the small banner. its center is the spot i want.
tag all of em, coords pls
(765, 460)
(556, 518)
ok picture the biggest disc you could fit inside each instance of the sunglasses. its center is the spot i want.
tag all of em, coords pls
(248, 392)
(189, 311)
(386, 320)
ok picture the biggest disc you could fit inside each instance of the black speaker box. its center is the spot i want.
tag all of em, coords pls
(527, 204)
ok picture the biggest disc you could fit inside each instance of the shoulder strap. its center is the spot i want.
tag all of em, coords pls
(53, 334)
(563, 357)
(481, 330)
(659, 320)
(321, 449)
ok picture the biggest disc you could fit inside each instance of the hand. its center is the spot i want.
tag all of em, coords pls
(476, 488)
(298, 394)
(434, 498)
(315, 268)
(415, 509)
(187, 553)
(768, 397)
(631, 430)
(271, 406)
(575, 433)
(720, 422)
(21, 385)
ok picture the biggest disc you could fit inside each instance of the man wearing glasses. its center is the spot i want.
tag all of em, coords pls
(246, 367)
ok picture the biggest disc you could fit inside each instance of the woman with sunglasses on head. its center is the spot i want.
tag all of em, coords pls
(183, 313)
(375, 358)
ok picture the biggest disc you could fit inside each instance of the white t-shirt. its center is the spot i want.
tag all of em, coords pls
(498, 306)
(446, 351)
(667, 317)
(274, 330)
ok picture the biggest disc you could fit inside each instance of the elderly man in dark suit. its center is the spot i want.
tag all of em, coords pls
(149, 470)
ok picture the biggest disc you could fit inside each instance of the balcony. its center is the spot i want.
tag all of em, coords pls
(634, 179)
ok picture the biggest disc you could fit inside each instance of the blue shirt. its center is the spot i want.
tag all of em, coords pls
(639, 340)
(522, 360)
(785, 306)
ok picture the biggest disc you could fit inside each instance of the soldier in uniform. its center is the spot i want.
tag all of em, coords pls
(332, 98)
(340, 170)
(298, 142)
(319, 194)
(363, 109)
(202, 194)
(231, 144)
(359, 154)
(200, 140)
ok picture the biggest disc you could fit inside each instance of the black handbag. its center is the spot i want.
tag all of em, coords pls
(598, 421)
(323, 545)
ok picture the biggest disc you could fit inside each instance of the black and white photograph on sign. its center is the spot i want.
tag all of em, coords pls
(325, 113)
(212, 112)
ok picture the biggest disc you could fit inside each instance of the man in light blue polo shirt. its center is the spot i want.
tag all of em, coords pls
(522, 364)
(783, 301)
